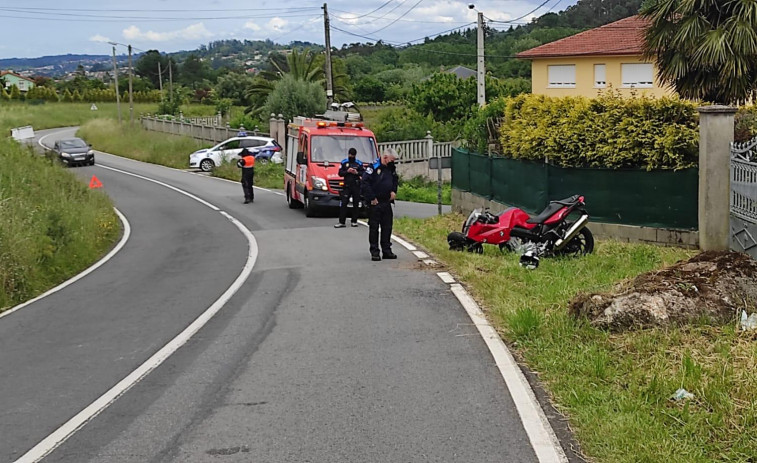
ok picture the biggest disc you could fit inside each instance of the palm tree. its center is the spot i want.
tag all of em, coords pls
(706, 49)
(303, 65)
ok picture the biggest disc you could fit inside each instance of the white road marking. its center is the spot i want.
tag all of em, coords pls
(430, 262)
(61, 434)
(404, 243)
(98, 264)
(446, 277)
(539, 431)
(420, 255)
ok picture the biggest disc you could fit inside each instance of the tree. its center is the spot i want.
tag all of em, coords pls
(706, 49)
(194, 71)
(15, 92)
(4, 96)
(305, 66)
(292, 97)
(233, 86)
(147, 67)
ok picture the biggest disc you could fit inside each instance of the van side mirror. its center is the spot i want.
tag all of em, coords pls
(301, 159)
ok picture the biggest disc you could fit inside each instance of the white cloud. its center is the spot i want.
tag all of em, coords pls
(194, 32)
(277, 24)
(99, 38)
(252, 26)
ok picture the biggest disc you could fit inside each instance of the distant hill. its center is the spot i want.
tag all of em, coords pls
(54, 65)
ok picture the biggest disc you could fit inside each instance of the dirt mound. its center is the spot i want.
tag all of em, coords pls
(711, 286)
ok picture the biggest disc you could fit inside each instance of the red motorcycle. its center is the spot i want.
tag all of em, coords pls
(549, 233)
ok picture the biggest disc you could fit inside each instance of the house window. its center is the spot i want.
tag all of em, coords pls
(637, 75)
(599, 76)
(562, 76)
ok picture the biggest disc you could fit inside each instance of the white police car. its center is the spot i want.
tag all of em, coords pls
(228, 151)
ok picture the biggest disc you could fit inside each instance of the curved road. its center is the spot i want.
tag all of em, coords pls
(320, 356)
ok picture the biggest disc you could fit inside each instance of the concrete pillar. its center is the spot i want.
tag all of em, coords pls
(281, 131)
(715, 137)
(273, 127)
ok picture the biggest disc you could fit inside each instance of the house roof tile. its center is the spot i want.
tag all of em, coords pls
(624, 37)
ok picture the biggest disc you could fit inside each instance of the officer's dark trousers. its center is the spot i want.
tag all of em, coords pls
(381, 216)
(248, 175)
(354, 192)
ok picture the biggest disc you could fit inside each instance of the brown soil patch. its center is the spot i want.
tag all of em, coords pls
(712, 287)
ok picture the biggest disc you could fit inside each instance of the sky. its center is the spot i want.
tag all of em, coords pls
(34, 28)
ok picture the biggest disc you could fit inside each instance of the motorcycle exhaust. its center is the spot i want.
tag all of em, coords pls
(572, 232)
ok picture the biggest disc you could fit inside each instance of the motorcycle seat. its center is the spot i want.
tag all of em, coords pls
(551, 208)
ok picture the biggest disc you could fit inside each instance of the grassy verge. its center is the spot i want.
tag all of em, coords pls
(137, 143)
(52, 225)
(50, 115)
(419, 190)
(268, 175)
(614, 388)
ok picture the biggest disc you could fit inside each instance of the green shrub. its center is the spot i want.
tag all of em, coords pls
(420, 190)
(608, 131)
(400, 123)
(745, 125)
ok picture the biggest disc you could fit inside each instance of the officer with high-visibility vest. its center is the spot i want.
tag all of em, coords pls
(247, 164)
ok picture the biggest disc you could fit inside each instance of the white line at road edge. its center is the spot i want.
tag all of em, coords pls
(540, 433)
(60, 435)
(108, 256)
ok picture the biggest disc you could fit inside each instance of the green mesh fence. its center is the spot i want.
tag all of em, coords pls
(664, 199)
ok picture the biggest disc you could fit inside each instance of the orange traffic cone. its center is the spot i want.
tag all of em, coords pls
(95, 183)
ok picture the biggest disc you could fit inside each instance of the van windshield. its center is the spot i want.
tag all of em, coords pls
(333, 148)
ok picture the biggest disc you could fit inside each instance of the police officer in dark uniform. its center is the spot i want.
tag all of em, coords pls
(247, 164)
(380, 183)
(352, 170)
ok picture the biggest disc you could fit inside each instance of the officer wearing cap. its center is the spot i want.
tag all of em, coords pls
(247, 164)
(351, 170)
(380, 183)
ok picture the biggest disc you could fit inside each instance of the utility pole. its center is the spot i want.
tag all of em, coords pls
(115, 73)
(170, 80)
(131, 98)
(329, 83)
(160, 82)
(481, 98)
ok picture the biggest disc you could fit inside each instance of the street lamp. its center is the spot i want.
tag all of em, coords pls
(481, 68)
(115, 73)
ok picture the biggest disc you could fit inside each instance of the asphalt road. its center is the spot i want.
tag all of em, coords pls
(320, 356)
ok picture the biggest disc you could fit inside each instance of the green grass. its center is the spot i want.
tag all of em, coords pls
(419, 190)
(50, 115)
(614, 388)
(267, 175)
(137, 143)
(52, 225)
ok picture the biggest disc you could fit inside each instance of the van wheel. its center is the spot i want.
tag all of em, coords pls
(207, 165)
(293, 203)
(309, 208)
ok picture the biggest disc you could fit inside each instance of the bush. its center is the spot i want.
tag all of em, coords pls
(608, 131)
(745, 124)
(292, 97)
(400, 123)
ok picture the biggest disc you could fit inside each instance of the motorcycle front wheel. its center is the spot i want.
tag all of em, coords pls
(580, 245)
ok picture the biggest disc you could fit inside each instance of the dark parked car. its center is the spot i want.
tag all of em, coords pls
(72, 151)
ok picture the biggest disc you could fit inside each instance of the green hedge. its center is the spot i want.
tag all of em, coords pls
(608, 132)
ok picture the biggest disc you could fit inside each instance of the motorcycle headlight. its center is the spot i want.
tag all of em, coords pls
(319, 183)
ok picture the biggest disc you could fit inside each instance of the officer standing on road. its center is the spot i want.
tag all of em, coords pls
(351, 170)
(380, 183)
(247, 164)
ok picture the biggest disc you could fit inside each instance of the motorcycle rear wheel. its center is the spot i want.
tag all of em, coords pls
(580, 245)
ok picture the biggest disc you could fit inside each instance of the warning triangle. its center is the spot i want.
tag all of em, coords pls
(95, 183)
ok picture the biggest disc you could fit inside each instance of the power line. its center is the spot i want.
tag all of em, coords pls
(76, 16)
(400, 17)
(521, 17)
(370, 12)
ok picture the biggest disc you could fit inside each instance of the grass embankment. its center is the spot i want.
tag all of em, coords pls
(614, 388)
(50, 115)
(52, 225)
